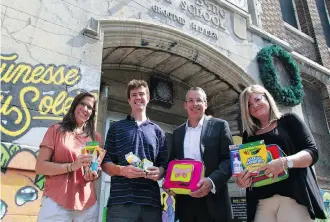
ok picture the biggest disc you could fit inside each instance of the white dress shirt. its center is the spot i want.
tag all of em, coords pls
(192, 145)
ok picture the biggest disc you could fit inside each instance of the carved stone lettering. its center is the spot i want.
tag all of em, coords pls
(206, 11)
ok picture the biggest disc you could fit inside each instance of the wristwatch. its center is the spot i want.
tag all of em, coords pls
(289, 162)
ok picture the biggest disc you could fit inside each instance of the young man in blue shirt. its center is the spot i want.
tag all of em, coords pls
(134, 193)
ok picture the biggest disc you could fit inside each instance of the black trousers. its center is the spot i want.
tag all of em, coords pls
(133, 213)
(189, 209)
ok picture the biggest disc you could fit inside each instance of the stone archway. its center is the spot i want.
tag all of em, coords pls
(136, 46)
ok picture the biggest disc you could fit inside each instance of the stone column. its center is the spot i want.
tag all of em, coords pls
(101, 123)
(326, 103)
(324, 178)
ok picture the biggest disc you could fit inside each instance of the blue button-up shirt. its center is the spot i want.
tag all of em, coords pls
(146, 140)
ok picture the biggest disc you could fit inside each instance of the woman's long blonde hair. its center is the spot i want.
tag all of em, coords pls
(250, 123)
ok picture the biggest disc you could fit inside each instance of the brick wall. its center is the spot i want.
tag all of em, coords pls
(304, 17)
(319, 38)
(316, 120)
(310, 24)
(317, 117)
(324, 93)
(301, 45)
(306, 26)
(271, 18)
(273, 23)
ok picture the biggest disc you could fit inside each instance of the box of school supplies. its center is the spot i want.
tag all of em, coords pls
(249, 156)
(253, 155)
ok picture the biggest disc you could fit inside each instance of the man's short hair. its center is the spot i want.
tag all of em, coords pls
(200, 90)
(136, 83)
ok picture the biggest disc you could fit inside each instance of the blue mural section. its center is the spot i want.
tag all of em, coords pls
(326, 200)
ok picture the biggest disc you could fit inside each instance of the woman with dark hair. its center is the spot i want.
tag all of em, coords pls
(296, 198)
(69, 193)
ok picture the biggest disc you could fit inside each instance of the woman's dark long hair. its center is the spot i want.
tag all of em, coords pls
(69, 124)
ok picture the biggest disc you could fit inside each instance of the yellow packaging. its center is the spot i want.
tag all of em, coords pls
(90, 147)
(133, 160)
(146, 164)
(253, 155)
(97, 152)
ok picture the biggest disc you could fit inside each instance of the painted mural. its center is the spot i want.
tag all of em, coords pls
(21, 188)
(326, 199)
(168, 204)
(34, 95)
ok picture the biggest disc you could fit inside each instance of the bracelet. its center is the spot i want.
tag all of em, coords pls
(286, 172)
(71, 167)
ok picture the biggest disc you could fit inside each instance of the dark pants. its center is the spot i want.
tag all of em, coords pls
(193, 210)
(133, 213)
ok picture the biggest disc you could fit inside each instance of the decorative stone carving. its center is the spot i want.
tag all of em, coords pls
(239, 26)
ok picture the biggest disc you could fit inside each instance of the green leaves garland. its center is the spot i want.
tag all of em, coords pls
(290, 95)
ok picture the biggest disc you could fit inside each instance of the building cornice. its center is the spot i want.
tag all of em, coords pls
(210, 50)
(129, 32)
(298, 32)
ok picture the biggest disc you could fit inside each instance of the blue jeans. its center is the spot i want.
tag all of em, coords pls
(133, 213)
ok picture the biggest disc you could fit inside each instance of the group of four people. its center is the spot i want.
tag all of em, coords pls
(70, 195)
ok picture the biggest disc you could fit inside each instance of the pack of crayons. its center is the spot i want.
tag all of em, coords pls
(249, 156)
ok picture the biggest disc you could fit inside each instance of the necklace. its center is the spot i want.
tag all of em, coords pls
(262, 128)
(76, 133)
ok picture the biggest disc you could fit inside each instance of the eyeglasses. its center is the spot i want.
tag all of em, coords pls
(197, 101)
(257, 100)
(89, 108)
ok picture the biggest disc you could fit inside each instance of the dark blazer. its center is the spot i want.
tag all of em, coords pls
(214, 144)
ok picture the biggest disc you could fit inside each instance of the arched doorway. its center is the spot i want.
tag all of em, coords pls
(141, 50)
(135, 49)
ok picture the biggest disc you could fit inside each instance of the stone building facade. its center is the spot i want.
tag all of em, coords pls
(309, 40)
(53, 49)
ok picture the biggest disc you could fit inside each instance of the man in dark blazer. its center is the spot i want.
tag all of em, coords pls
(206, 139)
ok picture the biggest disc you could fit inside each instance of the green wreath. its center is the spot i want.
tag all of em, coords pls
(288, 95)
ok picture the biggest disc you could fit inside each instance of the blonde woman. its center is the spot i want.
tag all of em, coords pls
(298, 197)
